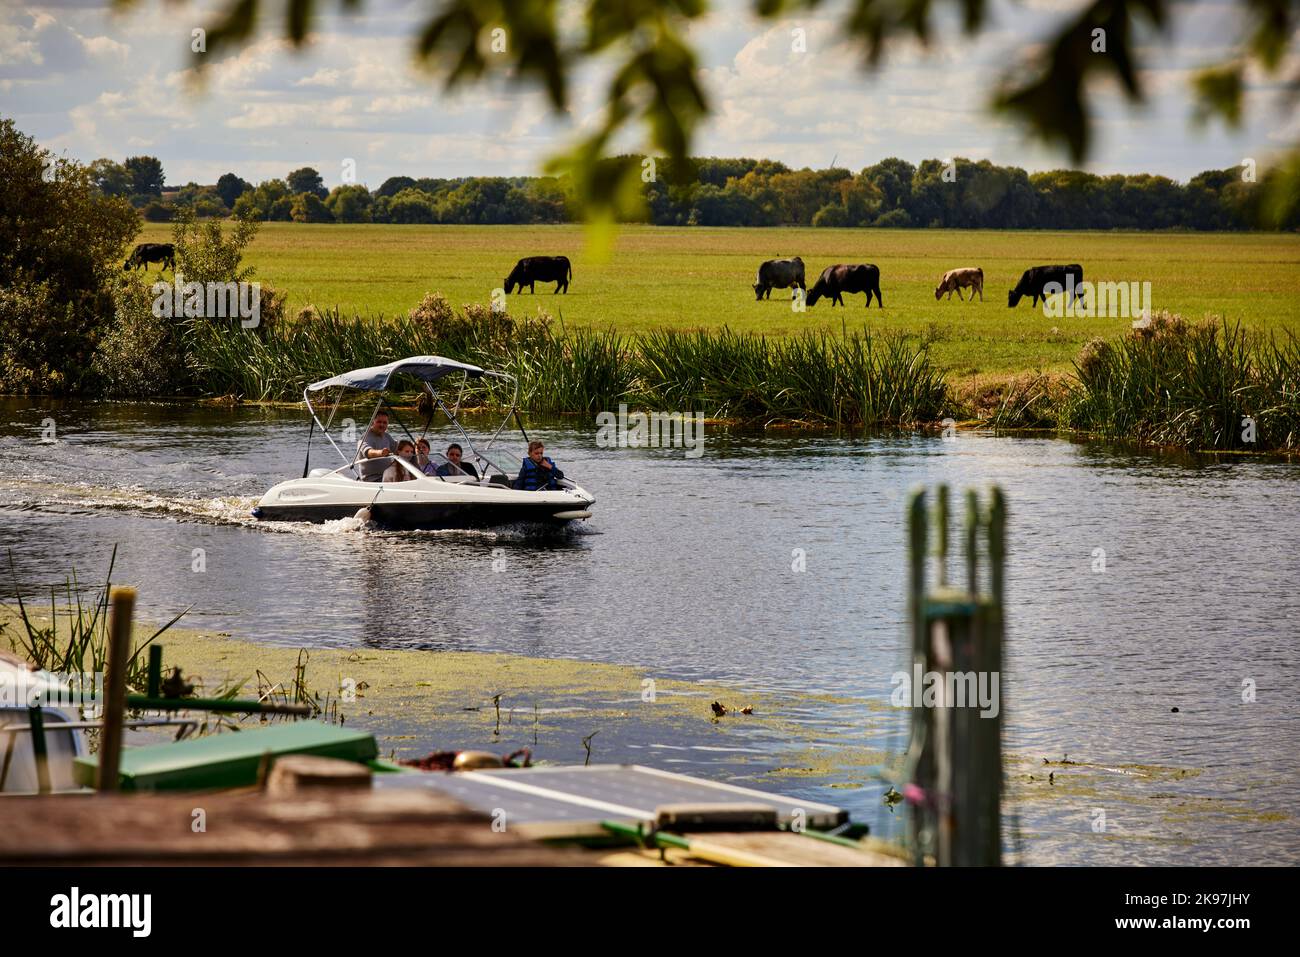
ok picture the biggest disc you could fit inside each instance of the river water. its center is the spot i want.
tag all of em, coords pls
(690, 568)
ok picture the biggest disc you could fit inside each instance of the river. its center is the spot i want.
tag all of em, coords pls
(774, 561)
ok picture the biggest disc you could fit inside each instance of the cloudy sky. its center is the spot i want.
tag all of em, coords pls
(89, 83)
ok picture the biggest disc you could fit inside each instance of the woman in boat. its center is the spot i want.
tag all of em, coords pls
(422, 460)
(395, 472)
(454, 465)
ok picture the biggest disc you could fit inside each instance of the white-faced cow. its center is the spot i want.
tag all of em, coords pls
(534, 269)
(779, 274)
(955, 280)
(146, 253)
(1036, 278)
(837, 280)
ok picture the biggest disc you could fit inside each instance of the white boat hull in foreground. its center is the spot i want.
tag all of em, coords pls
(423, 503)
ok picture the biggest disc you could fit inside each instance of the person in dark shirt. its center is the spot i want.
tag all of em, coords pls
(538, 471)
(454, 465)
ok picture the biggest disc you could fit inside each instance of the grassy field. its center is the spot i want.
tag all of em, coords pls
(690, 278)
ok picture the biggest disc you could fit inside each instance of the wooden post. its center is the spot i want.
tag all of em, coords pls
(154, 688)
(987, 745)
(955, 756)
(941, 534)
(40, 751)
(920, 747)
(119, 655)
(972, 531)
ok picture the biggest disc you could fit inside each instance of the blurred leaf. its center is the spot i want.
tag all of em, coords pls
(1218, 92)
(1051, 101)
(298, 19)
(1281, 206)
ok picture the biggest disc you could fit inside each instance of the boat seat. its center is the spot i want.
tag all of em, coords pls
(317, 473)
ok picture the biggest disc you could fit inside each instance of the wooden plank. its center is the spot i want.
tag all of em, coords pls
(345, 828)
(782, 849)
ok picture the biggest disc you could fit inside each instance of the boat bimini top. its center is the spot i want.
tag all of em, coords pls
(428, 370)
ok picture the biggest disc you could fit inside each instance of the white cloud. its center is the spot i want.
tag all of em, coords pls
(325, 77)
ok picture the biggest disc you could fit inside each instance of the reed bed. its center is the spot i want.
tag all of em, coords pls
(1171, 383)
(76, 639)
(1191, 385)
(855, 380)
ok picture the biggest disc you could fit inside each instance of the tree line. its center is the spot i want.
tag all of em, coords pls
(712, 191)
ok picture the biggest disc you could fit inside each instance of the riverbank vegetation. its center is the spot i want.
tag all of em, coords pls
(1170, 382)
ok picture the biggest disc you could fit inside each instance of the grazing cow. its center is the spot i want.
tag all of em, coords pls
(969, 277)
(837, 280)
(1035, 278)
(535, 269)
(146, 253)
(779, 274)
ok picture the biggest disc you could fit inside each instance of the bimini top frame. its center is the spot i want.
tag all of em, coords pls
(429, 370)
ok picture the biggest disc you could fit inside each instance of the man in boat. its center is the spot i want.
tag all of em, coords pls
(395, 472)
(537, 471)
(454, 465)
(374, 448)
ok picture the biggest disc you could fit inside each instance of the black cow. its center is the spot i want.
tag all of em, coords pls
(146, 253)
(779, 274)
(837, 280)
(1035, 278)
(533, 269)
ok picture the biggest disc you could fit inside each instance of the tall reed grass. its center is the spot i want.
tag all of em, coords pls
(854, 380)
(1171, 383)
(1193, 385)
(76, 639)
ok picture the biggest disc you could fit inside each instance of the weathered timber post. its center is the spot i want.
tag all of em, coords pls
(920, 755)
(955, 756)
(119, 657)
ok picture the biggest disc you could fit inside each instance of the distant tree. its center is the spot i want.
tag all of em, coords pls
(146, 175)
(832, 214)
(350, 204)
(394, 185)
(230, 187)
(861, 199)
(306, 180)
(308, 208)
(269, 200)
(111, 179)
(893, 177)
(411, 206)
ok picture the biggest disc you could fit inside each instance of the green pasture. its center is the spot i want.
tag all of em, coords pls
(687, 278)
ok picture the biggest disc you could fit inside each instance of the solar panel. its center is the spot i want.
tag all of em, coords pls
(556, 801)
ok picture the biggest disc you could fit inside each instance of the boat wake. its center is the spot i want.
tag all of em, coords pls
(232, 510)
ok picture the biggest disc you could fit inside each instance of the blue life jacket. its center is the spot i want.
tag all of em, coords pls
(531, 477)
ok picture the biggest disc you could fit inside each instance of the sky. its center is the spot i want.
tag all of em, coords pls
(87, 82)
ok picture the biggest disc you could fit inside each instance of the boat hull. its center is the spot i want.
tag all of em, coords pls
(420, 504)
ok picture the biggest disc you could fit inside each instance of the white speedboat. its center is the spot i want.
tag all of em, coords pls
(423, 501)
